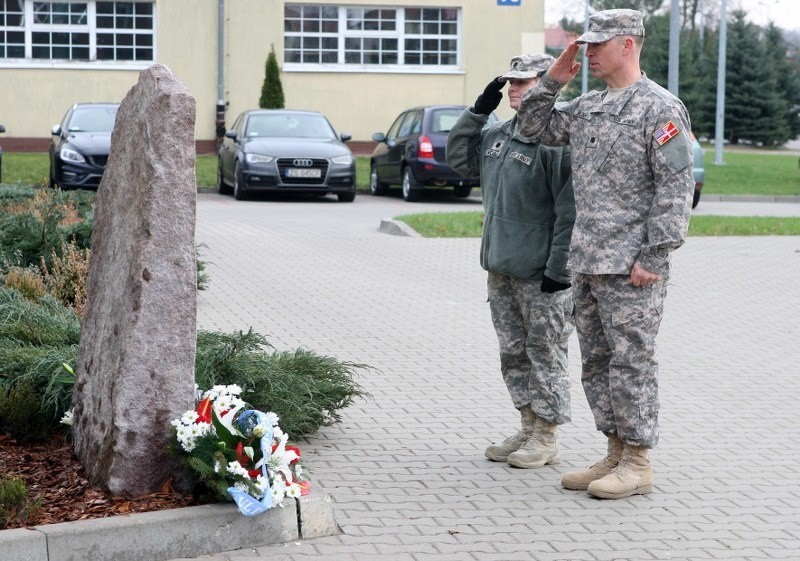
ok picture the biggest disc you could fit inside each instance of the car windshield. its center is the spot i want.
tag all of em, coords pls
(444, 119)
(92, 119)
(289, 126)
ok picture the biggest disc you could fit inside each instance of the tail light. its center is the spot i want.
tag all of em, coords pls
(425, 149)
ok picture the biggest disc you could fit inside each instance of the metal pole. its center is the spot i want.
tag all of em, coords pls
(220, 120)
(720, 128)
(674, 47)
(585, 65)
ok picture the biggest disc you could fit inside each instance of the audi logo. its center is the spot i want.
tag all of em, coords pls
(302, 162)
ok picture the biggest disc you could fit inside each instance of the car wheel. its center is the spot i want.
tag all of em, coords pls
(696, 198)
(411, 189)
(462, 191)
(376, 186)
(238, 183)
(346, 197)
(222, 187)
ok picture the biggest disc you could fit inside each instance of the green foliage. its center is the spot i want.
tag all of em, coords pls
(744, 226)
(304, 389)
(446, 224)
(21, 412)
(272, 90)
(14, 503)
(43, 322)
(752, 173)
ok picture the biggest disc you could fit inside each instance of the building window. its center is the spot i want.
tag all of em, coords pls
(93, 31)
(371, 37)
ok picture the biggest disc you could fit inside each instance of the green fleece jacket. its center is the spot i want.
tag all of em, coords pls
(527, 197)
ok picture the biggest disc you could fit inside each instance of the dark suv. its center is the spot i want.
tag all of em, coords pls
(412, 153)
(80, 145)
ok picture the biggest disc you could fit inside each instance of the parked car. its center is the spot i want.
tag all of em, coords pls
(699, 171)
(412, 153)
(285, 151)
(80, 145)
(2, 129)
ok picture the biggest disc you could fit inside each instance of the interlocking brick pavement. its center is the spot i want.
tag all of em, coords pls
(405, 469)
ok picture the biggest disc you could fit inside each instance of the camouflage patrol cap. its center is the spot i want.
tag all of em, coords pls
(525, 67)
(610, 23)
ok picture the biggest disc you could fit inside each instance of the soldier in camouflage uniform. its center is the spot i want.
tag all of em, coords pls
(527, 196)
(632, 173)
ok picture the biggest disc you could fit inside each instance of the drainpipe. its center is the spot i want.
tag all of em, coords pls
(220, 121)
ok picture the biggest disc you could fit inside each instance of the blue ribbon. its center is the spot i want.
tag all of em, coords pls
(249, 505)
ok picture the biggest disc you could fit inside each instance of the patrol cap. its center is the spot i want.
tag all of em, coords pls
(525, 67)
(610, 23)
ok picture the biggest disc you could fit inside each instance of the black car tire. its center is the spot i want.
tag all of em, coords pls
(222, 187)
(346, 197)
(696, 198)
(238, 183)
(376, 186)
(411, 189)
(462, 191)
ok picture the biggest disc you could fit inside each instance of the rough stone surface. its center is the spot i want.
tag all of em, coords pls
(135, 369)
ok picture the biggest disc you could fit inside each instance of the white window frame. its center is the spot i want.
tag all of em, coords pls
(399, 34)
(29, 27)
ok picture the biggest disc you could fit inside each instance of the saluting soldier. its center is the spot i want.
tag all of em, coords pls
(529, 212)
(632, 176)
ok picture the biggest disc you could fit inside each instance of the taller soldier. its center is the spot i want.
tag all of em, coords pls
(632, 180)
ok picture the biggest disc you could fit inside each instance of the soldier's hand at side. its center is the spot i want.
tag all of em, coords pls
(640, 276)
(490, 98)
(565, 68)
(550, 285)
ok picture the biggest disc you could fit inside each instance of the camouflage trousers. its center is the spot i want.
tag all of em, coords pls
(617, 324)
(532, 329)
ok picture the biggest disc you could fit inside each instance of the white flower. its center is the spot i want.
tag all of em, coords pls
(67, 418)
(293, 490)
(235, 468)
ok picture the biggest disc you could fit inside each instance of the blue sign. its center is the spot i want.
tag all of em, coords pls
(509, 2)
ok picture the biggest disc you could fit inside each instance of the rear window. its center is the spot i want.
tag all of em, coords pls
(444, 120)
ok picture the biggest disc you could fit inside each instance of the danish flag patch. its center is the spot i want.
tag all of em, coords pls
(665, 133)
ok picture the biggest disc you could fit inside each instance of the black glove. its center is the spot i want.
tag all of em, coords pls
(549, 285)
(490, 98)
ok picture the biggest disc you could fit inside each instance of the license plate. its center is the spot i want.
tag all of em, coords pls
(302, 172)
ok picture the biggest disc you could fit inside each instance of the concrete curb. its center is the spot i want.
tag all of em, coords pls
(397, 228)
(170, 534)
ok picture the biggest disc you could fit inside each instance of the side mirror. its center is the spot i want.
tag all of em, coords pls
(345, 136)
(379, 137)
(231, 134)
(56, 130)
(2, 128)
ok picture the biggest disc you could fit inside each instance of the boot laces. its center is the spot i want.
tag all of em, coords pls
(521, 434)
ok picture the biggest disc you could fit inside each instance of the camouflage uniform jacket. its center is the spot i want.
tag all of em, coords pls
(632, 164)
(527, 197)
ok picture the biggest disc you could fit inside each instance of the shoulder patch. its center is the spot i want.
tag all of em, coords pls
(665, 132)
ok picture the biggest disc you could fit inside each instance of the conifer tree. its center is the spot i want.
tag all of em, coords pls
(272, 90)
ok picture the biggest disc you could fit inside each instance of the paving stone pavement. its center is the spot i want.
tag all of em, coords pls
(405, 468)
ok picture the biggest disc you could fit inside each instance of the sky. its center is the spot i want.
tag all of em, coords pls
(785, 13)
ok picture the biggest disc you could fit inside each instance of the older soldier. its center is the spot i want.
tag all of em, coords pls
(527, 196)
(632, 164)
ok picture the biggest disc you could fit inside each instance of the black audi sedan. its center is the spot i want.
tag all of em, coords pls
(285, 151)
(80, 145)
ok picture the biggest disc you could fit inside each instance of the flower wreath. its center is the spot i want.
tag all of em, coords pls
(240, 453)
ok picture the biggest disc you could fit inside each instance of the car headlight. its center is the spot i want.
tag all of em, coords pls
(258, 159)
(342, 160)
(70, 155)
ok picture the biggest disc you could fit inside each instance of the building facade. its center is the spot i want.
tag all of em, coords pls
(360, 62)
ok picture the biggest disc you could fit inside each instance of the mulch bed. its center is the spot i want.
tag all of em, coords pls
(55, 477)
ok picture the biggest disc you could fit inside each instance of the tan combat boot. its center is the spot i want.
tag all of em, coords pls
(632, 476)
(540, 449)
(499, 452)
(579, 480)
